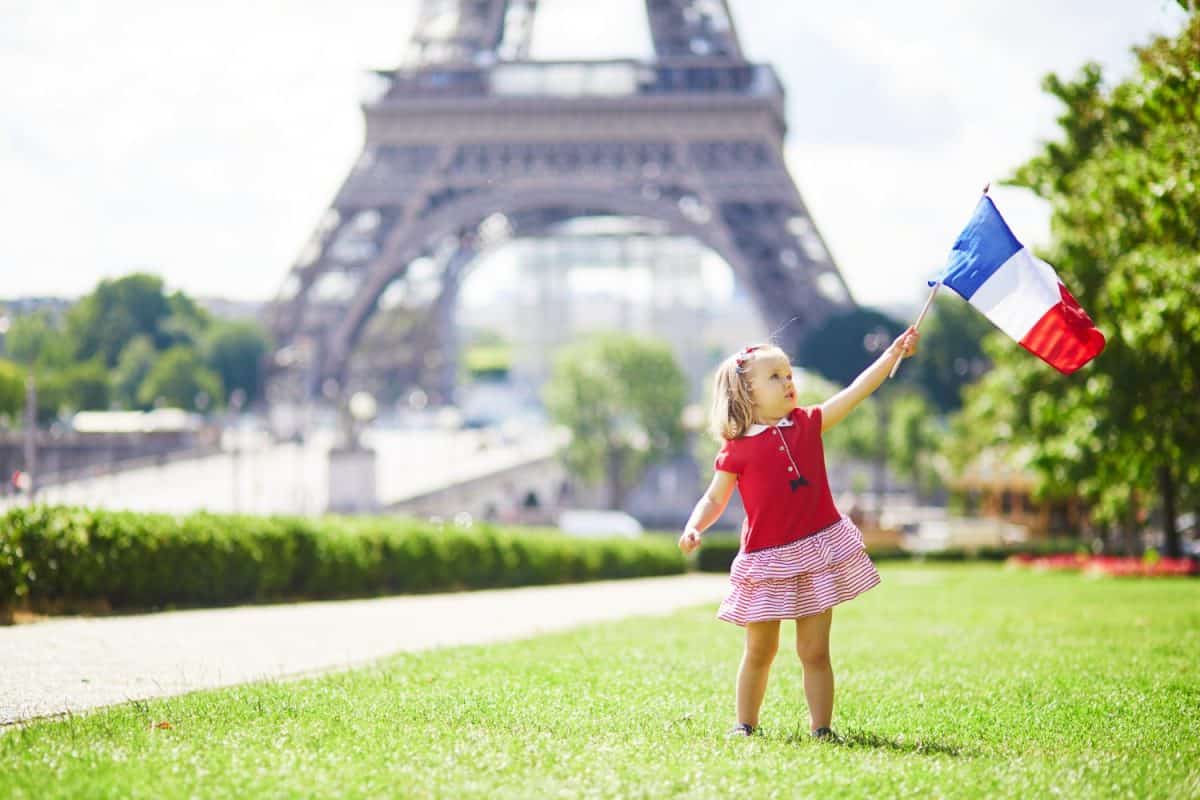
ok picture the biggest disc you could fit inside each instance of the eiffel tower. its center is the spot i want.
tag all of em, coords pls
(470, 141)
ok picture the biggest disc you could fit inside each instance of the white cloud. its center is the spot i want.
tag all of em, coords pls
(203, 141)
(200, 142)
(893, 166)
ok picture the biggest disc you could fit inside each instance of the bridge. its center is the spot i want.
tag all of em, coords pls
(485, 474)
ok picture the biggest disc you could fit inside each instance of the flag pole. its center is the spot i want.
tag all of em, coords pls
(917, 324)
(929, 302)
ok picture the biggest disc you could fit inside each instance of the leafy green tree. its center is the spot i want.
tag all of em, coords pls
(846, 344)
(76, 387)
(123, 325)
(913, 436)
(622, 398)
(102, 323)
(235, 351)
(133, 365)
(35, 339)
(12, 390)
(856, 436)
(177, 378)
(1122, 182)
(951, 351)
(186, 323)
(85, 386)
(899, 428)
(53, 396)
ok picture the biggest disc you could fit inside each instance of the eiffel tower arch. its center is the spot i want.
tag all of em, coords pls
(469, 137)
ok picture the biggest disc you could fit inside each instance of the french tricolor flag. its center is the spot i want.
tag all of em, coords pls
(1020, 293)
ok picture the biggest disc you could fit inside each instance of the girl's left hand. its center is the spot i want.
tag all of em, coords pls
(906, 342)
(689, 541)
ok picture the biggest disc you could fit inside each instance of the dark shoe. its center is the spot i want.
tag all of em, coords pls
(741, 729)
(826, 735)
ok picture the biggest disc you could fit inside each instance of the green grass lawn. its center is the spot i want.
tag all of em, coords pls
(955, 681)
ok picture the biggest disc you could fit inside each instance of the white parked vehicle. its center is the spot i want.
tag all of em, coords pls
(599, 524)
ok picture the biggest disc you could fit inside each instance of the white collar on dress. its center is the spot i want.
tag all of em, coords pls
(756, 429)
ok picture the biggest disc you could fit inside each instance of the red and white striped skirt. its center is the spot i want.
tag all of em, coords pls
(800, 578)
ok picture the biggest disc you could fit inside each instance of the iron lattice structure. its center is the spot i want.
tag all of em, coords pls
(469, 141)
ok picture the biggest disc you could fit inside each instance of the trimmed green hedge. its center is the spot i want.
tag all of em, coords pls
(718, 551)
(56, 558)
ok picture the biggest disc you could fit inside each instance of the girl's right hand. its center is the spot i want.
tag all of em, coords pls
(689, 541)
(906, 342)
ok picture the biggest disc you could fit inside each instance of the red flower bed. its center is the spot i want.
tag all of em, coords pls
(1118, 566)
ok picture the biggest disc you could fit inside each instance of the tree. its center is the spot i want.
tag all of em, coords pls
(846, 344)
(52, 396)
(951, 351)
(133, 365)
(235, 351)
(622, 398)
(123, 325)
(186, 323)
(103, 322)
(1122, 182)
(75, 387)
(12, 390)
(899, 428)
(85, 386)
(913, 434)
(35, 339)
(856, 436)
(177, 379)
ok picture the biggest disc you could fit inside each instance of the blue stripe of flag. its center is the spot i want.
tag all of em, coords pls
(984, 244)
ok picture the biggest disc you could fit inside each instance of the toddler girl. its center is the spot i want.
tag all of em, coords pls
(799, 555)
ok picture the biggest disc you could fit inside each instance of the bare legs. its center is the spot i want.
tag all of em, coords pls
(762, 642)
(812, 646)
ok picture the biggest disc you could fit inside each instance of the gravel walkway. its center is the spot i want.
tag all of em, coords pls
(74, 664)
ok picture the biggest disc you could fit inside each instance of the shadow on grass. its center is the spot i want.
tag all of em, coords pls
(916, 745)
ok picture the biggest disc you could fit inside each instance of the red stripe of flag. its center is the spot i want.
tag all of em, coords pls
(1065, 337)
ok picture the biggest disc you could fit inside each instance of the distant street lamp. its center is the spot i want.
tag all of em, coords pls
(363, 409)
(363, 406)
(30, 472)
(237, 398)
(352, 480)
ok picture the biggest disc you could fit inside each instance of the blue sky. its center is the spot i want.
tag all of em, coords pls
(203, 141)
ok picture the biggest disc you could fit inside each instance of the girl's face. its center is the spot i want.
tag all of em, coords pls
(771, 387)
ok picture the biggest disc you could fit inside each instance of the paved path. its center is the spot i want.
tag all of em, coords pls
(79, 663)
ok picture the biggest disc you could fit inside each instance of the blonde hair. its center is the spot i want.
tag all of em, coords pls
(733, 407)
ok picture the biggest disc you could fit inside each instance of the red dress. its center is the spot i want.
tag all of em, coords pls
(799, 554)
